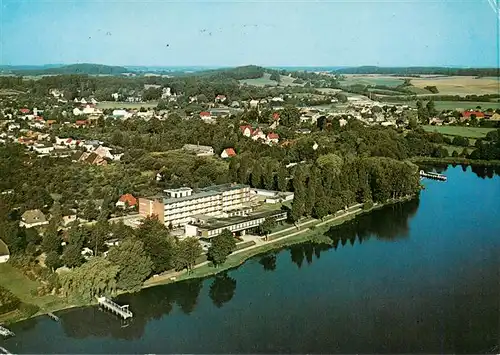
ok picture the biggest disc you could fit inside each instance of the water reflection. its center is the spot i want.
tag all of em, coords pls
(484, 171)
(222, 289)
(151, 303)
(268, 262)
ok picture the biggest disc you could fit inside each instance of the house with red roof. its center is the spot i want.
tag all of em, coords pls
(206, 116)
(81, 123)
(228, 153)
(24, 111)
(246, 130)
(127, 200)
(467, 115)
(276, 116)
(220, 98)
(258, 134)
(272, 138)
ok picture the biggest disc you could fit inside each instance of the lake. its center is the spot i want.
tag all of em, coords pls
(416, 277)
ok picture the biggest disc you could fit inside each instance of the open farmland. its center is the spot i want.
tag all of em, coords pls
(265, 80)
(459, 85)
(459, 105)
(354, 79)
(469, 132)
(126, 105)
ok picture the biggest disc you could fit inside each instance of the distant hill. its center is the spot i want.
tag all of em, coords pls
(84, 68)
(420, 71)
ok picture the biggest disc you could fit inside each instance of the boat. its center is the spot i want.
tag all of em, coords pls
(5, 332)
(5, 351)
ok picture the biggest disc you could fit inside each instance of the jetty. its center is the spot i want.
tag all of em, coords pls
(113, 307)
(5, 332)
(53, 316)
(432, 175)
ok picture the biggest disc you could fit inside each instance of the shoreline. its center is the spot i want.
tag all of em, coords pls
(456, 161)
(286, 237)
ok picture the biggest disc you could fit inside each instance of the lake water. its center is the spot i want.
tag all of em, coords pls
(417, 277)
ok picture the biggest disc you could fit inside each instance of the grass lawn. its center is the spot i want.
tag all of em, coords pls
(470, 132)
(125, 105)
(17, 283)
(265, 80)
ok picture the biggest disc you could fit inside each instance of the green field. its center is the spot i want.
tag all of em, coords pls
(451, 105)
(371, 80)
(126, 105)
(469, 132)
(285, 81)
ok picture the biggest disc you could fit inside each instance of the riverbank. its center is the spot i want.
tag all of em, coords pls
(301, 232)
(456, 161)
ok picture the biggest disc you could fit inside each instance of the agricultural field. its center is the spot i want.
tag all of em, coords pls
(460, 85)
(469, 132)
(265, 80)
(373, 79)
(126, 105)
(453, 105)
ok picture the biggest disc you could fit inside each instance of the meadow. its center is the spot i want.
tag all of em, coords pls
(469, 132)
(265, 80)
(371, 80)
(460, 85)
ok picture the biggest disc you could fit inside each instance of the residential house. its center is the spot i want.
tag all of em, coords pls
(467, 115)
(303, 131)
(4, 252)
(246, 130)
(24, 111)
(272, 138)
(33, 218)
(228, 153)
(220, 112)
(81, 123)
(56, 93)
(277, 99)
(69, 219)
(104, 152)
(258, 134)
(89, 158)
(121, 114)
(254, 103)
(42, 148)
(235, 104)
(220, 98)
(199, 150)
(126, 200)
(206, 116)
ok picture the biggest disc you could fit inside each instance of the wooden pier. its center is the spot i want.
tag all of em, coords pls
(5, 332)
(432, 175)
(53, 316)
(122, 311)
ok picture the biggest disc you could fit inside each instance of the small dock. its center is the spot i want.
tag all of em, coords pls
(109, 305)
(432, 175)
(5, 332)
(53, 316)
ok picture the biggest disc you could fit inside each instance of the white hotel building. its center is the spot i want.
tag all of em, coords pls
(180, 206)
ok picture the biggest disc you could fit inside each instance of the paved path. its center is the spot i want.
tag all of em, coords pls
(260, 243)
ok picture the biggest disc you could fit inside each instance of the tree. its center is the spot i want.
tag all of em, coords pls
(222, 245)
(320, 208)
(94, 278)
(268, 262)
(289, 116)
(275, 76)
(89, 211)
(188, 250)
(56, 213)
(72, 256)
(269, 176)
(310, 197)
(222, 289)
(51, 242)
(256, 178)
(134, 265)
(52, 260)
(282, 178)
(158, 244)
(267, 226)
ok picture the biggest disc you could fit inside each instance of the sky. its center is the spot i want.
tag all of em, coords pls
(267, 33)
